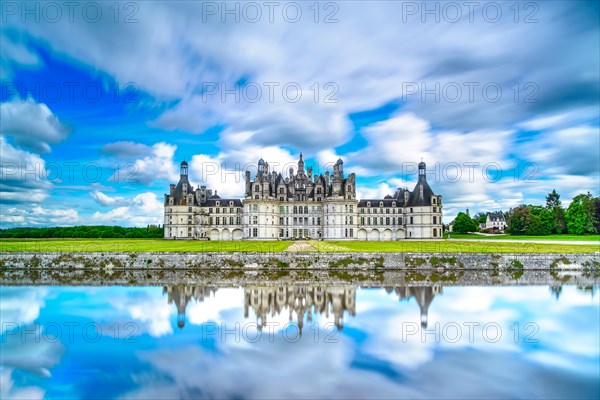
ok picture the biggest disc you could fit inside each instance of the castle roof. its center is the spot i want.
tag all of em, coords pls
(418, 197)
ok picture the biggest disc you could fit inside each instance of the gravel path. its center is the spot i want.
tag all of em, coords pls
(301, 246)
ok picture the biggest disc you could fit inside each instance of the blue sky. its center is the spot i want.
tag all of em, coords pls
(98, 109)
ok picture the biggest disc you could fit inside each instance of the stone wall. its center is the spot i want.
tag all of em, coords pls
(365, 269)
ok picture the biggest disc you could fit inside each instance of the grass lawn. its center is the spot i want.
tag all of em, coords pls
(425, 246)
(590, 238)
(138, 245)
(160, 245)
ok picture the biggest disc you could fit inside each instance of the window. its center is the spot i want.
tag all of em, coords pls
(281, 190)
(435, 220)
(387, 210)
(351, 232)
(211, 220)
(434, 209)
(230, 220)
(434, 232)
(281, 209)
(189, 209)
(218, 220)
(224, 210)
(319, 190)
(255, 232)
(368, 204)
(411, 210)
(362, 220)
(400, 221)
(218, 203)
(256, 188)
(305, 209)
(434, 203)
(256, 197)
(295, 210)
(351, 220)
(387, 220)
(351, 208)
(374, 211)
(217, 210)
(411, 220)
(231, 211)
(255, 207)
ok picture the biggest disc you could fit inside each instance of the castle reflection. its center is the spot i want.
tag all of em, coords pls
(303, 302)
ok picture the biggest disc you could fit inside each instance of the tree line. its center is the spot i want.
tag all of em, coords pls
(580, 218)
(95, 231)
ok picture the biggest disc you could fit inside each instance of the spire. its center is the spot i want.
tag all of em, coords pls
(300, 164)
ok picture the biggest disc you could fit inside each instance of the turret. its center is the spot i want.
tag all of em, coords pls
(183, 169)
(422, 174)
(261, 167)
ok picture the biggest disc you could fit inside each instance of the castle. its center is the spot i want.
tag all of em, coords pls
(299, 206)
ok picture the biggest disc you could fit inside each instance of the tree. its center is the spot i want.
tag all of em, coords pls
(553, 200)
(518, 220)
(581, 215)
(597, 214)
(541, 222)
(480, 217)
(464, 224)
(554, 204)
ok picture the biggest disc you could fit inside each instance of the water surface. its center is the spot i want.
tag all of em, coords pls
(300, 342)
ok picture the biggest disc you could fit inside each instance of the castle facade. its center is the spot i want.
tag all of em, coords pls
(301, 205)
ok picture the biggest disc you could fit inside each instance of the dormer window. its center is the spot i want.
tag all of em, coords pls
(218, 203)
(368, 204)
(394, 204)
(381, 204)
(231, 203)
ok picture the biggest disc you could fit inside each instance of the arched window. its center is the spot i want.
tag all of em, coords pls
(305, 209)
(295, 210)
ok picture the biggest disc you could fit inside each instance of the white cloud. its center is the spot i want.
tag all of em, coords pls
(106, 200)
(152, 312)
(154, 164)
(31, 125)
(23, 177)
(9, 392)
(143, 209)
(40, 216)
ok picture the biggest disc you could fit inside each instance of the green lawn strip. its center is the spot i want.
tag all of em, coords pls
(590, 238)
(424, 246)
(138, 245)
(160, 245)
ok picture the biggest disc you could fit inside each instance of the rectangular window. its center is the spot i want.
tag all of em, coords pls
(255, 232)
(435, 220)
(218, 220)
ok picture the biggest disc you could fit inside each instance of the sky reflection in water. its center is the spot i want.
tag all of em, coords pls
(194, 342)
